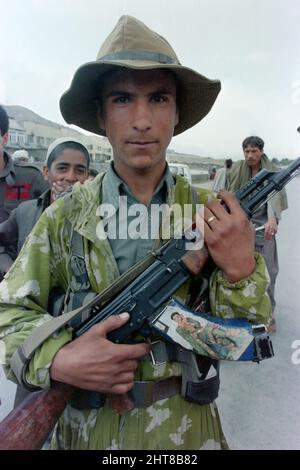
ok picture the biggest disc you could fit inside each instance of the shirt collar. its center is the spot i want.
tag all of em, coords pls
(44, 199)
(113, 186)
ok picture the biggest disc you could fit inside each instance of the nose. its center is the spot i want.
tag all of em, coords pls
(142, 116)
(71, 176)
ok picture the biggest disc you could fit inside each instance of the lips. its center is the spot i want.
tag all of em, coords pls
(142, 143)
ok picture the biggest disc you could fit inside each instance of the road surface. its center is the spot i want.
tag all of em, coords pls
(259, 404)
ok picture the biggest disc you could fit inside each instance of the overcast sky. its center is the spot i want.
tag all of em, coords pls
(252, 46)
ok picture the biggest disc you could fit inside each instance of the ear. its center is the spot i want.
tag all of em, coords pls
(5, 138)
(46, 172)
(176, 117)
(100, 119)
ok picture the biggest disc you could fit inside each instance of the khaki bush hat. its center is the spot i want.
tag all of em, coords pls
(134, 46)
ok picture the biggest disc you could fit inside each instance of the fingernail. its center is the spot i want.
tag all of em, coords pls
(124, 315)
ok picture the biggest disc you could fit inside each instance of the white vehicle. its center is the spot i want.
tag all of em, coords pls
(182, 170)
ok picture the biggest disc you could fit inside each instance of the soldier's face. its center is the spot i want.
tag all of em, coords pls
(139, 115)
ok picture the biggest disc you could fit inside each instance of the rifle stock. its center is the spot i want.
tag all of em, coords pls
(28, 426)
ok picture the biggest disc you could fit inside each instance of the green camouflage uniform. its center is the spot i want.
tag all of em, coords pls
(43, 264)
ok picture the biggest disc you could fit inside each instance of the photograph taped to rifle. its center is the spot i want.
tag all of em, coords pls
(217, 338)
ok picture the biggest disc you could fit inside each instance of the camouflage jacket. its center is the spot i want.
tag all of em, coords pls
(43, 264)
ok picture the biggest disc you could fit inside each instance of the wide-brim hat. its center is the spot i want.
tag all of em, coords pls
(134, 46)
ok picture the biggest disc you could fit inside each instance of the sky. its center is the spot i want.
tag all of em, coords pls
(252, 46)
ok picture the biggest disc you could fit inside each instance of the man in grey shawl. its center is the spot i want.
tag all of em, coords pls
(267, 216)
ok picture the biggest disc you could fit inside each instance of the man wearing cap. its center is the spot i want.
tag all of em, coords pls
(21, 156)
(139, 96)
(66, 163)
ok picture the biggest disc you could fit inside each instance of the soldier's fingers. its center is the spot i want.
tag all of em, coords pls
(129, 365)
(124, 378)
(231, 201)
(112, 323)
(121, 388)
(133, 351)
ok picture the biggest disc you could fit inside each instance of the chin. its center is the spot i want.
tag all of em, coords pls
(141, 163)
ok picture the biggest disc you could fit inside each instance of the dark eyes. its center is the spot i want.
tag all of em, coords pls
(159, 98)
(63, 169)
(124, 99)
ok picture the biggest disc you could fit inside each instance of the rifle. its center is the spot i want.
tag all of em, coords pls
(27, 427)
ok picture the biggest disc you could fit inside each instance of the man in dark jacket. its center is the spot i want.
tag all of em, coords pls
(67, 162)
(18, 183)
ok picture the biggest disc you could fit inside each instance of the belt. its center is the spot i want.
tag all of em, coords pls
(144, 393)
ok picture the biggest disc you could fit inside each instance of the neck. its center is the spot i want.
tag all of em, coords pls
(254, 170)
(142, 183)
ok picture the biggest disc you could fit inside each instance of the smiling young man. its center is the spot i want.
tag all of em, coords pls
(139, 96)
(66, 163)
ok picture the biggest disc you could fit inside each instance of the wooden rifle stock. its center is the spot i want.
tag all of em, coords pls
(28, 426)
(195, 260)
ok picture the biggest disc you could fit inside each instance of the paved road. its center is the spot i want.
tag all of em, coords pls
(259, 404)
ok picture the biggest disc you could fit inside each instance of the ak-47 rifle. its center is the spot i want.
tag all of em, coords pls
(28, 426)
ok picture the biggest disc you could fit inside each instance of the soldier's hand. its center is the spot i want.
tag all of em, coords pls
(92, 362)
(229, 237)
(271, 228)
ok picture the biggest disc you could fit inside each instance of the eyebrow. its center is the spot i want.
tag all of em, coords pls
(80, 165)
(160, 91)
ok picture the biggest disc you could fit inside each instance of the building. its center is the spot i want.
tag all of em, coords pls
(29, 131)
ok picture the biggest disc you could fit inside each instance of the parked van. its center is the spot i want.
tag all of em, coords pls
(182, 170)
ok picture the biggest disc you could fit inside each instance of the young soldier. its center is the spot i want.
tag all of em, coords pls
(139, 96)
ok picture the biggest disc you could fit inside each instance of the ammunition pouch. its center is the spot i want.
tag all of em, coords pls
(203, 392)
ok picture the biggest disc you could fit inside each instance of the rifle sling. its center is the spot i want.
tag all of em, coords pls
(22, 356)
